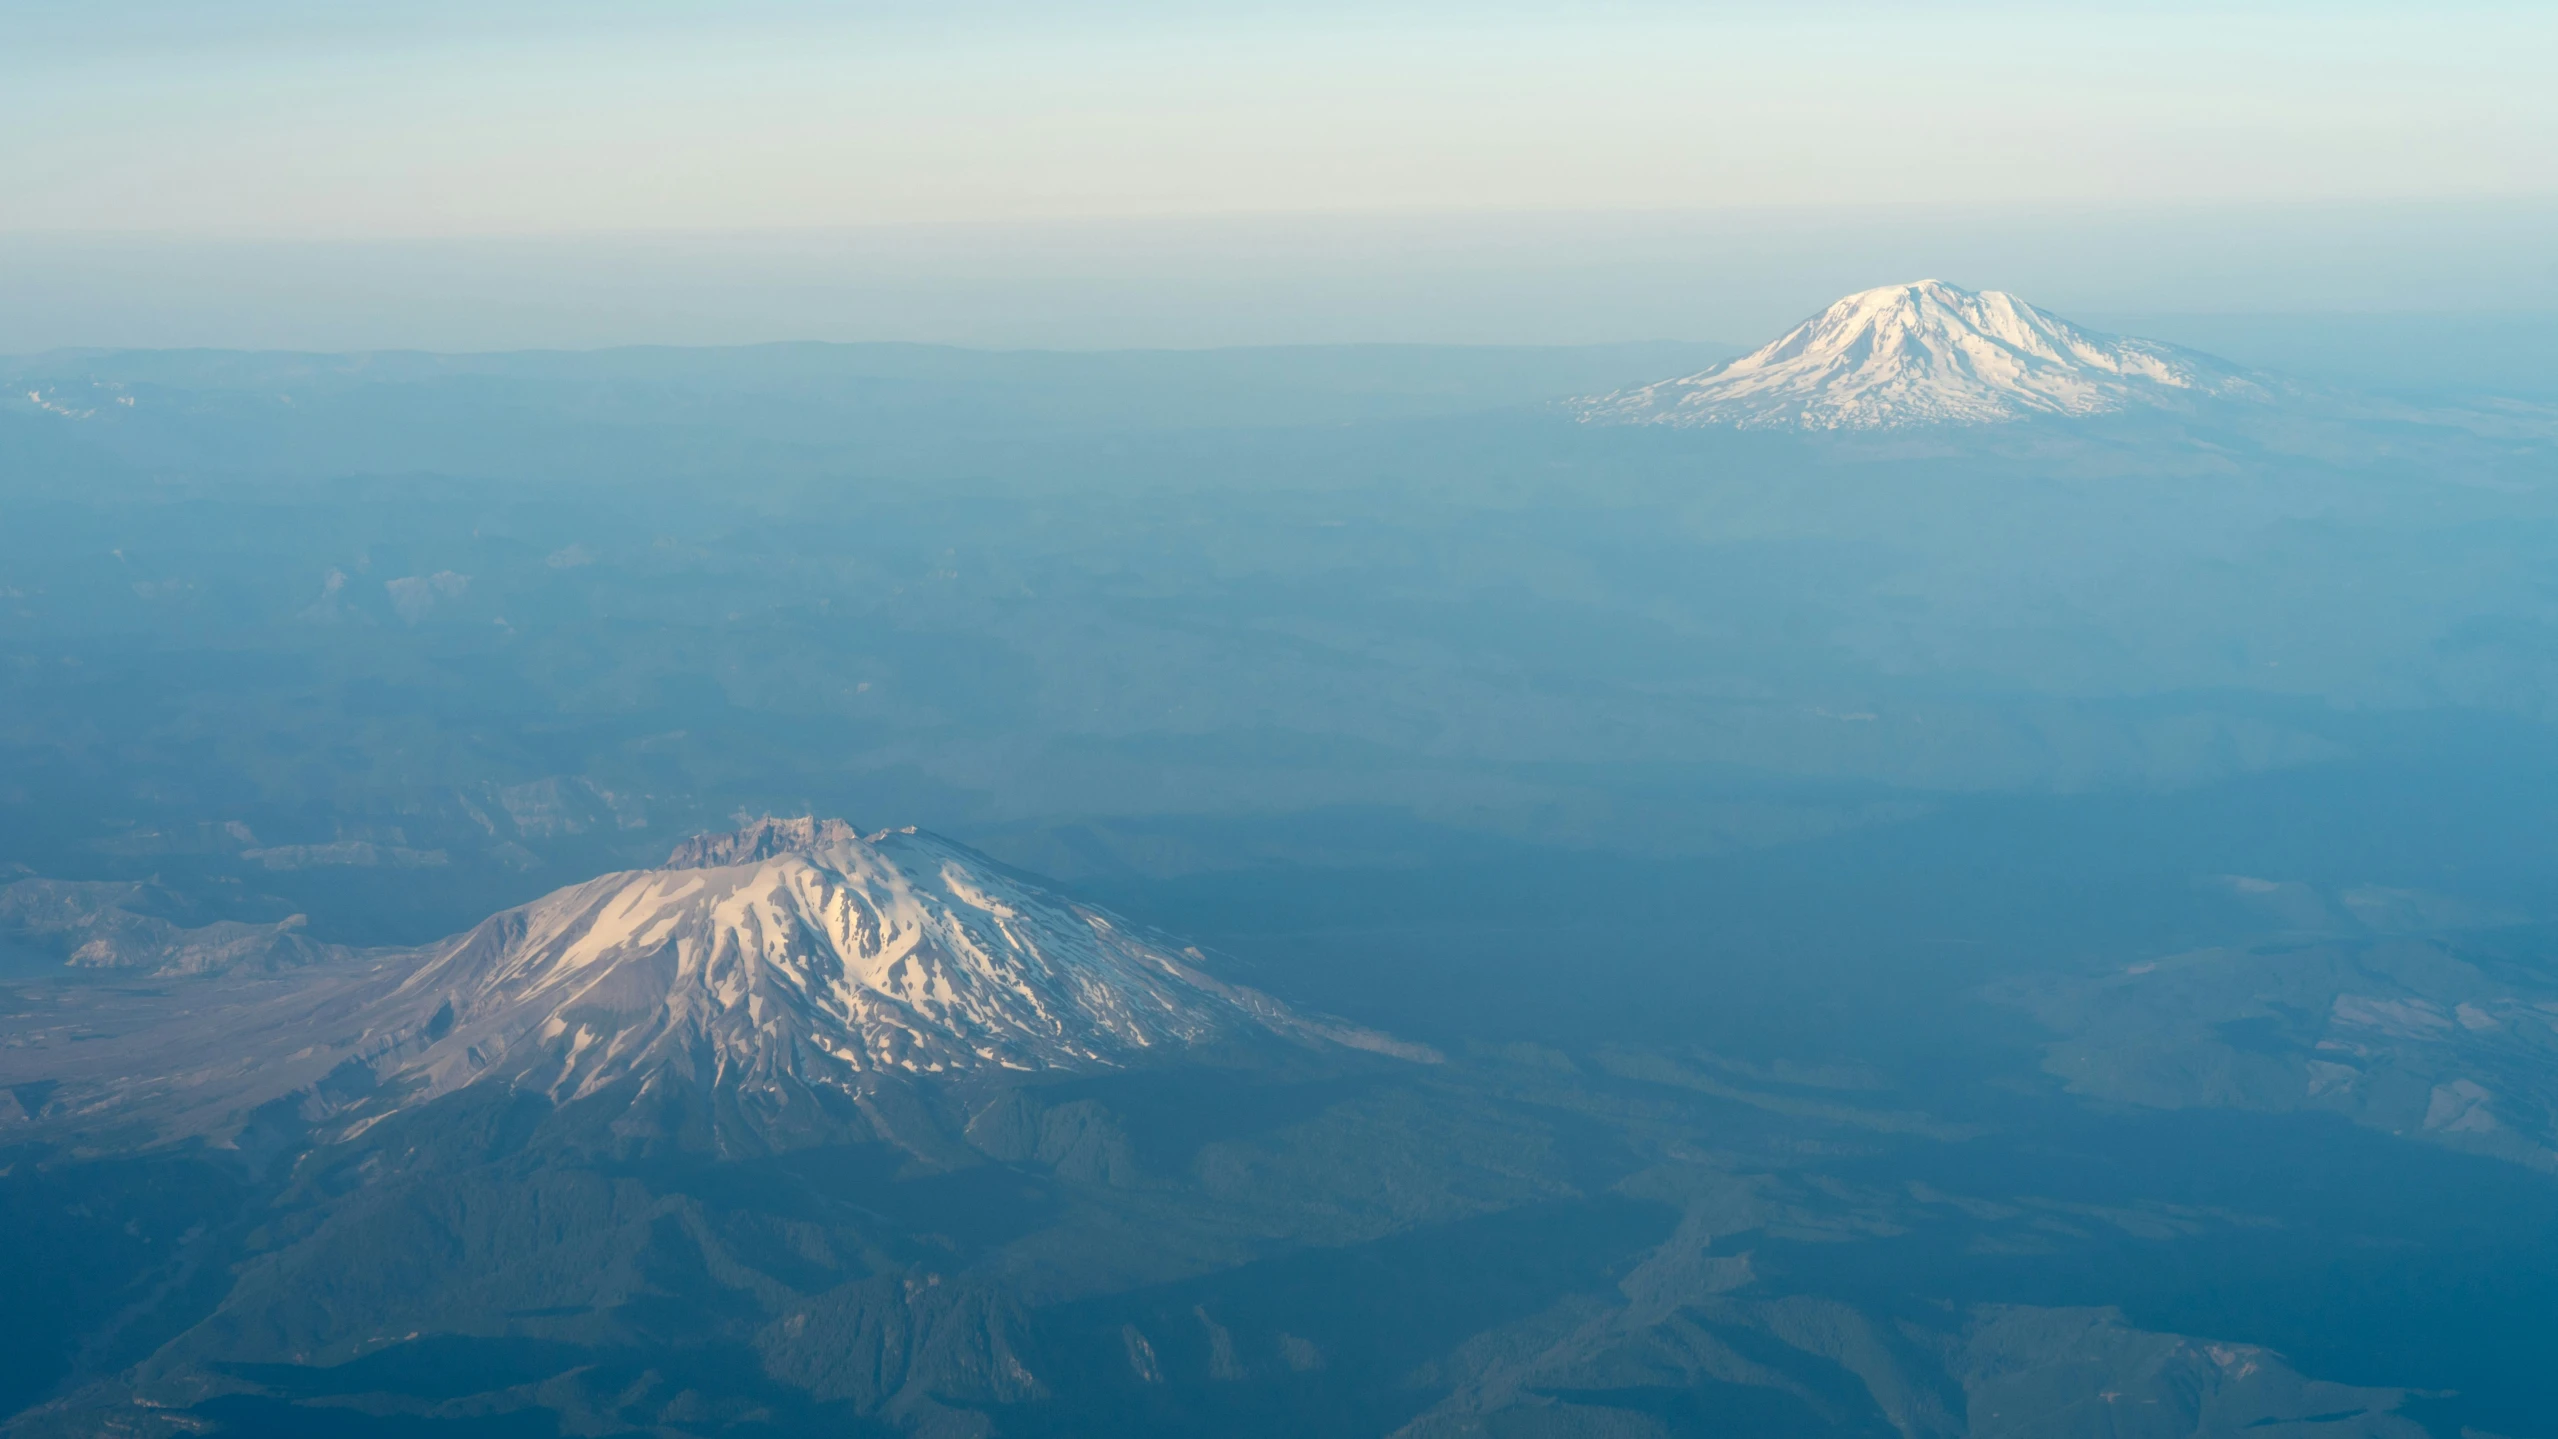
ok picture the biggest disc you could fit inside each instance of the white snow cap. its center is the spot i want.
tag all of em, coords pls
(1926, 353)
(789, 957)
(804, 949)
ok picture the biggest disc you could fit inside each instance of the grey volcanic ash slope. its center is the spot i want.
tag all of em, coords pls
(790, 956)
(127, 926)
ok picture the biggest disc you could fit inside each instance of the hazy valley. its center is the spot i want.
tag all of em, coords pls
(1373, 891)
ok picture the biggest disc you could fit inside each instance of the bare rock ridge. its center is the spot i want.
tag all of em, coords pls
(110, 925)
(760, 840)
(1928, 353)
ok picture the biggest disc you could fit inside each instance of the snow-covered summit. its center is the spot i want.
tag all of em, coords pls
(1927, 353)
(789, 958)
(798, 950)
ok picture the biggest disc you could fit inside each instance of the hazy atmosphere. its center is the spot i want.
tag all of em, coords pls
(269, 174)
(1515, 722)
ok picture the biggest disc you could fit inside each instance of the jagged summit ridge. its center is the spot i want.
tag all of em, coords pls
(762, 839)
(1927, 353)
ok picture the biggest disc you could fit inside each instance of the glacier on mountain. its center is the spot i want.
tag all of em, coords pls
(1927, 353)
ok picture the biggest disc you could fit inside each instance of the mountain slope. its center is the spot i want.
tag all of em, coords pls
(1927, 353)
(110, 925)
(1615, 1239)
(804, 950)
(789, 957)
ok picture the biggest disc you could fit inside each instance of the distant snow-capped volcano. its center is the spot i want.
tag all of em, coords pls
(1927, 353)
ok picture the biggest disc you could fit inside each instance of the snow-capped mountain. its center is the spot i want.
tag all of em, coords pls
(792, 955)
(798, 949)
(1927, 353)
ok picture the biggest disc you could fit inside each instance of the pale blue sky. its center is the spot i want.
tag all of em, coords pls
(292, 118)
(474, 173)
